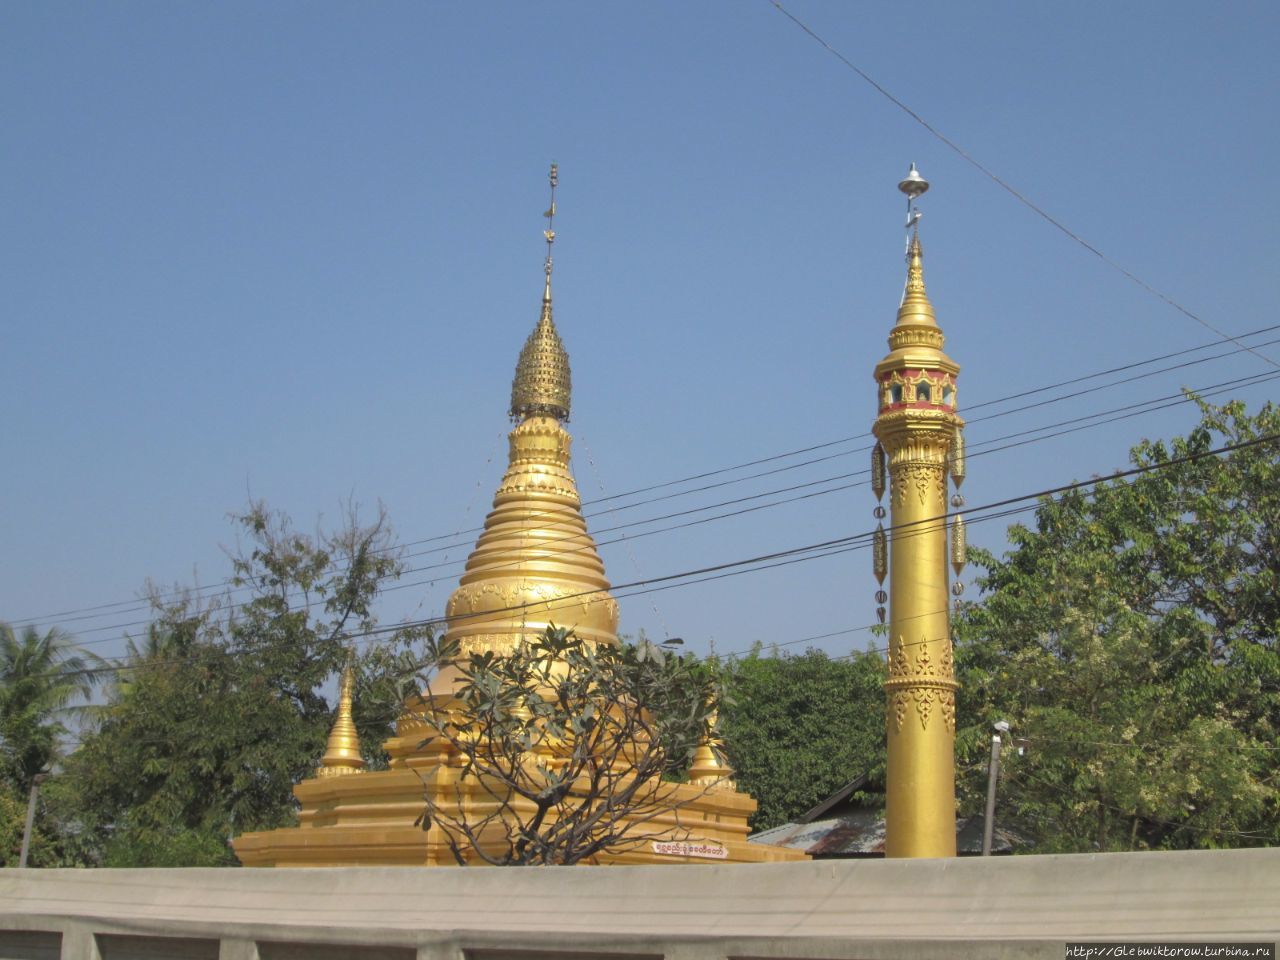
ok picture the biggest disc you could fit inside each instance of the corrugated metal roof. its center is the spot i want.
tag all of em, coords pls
(860, 833)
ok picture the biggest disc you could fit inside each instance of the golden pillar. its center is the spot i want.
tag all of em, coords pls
(917, 429)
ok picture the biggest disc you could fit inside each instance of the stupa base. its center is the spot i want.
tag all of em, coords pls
(367, 819)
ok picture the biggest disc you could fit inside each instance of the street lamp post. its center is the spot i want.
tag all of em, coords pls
(38, 779)
(993, 775)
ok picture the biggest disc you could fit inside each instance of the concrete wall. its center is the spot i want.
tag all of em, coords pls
(1009, 907)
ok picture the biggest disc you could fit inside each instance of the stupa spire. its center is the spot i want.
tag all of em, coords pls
(535, 564)
(915, 307)
(542, 384)
(342, 754)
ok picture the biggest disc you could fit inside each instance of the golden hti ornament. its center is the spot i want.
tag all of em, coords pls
(917, 424)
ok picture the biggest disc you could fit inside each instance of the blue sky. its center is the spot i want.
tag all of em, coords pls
(291, 251)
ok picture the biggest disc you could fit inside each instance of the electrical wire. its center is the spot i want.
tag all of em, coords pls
(68, 616)
(832, 547)
(135, 606)
(1021, 438)
(1016, 194)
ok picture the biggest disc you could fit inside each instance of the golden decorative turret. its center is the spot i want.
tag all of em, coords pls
(710, 768)
(917, 426)
(342, 755)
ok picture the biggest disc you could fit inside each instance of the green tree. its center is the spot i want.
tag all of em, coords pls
(222, 707)
(1130, 637)
(567, 743)
(798, 727)
(42, 675)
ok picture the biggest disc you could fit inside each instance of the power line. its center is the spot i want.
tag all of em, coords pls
(1146, 745)
(1020, 395)
(87, 613)
(1016, 194)
(1070, 425)
(804, 553)
(926, 523)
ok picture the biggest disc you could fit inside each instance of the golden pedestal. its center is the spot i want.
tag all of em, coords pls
(368, 820)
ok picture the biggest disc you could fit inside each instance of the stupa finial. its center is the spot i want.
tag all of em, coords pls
(915, 306)
(342, 753)
(550, 233)
(542, 383)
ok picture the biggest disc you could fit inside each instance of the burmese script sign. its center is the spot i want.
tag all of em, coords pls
(690, 848)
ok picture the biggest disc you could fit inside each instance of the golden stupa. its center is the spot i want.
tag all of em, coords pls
(534, 564)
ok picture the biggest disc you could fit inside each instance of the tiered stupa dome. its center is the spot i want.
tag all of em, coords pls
(534, 564)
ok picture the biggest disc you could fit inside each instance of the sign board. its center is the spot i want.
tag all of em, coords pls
(690, 848)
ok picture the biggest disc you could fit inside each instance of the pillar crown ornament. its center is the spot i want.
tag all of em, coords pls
(916, 340)
(915, 307)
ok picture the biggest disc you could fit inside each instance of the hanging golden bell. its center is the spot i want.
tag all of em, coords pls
(878, 471)
(955, 457)
(880, 553)
(959, 545)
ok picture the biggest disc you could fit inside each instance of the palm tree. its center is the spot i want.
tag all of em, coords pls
(41, 677)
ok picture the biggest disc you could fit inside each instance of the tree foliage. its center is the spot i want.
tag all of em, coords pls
(565, 742)
(222, 708)
(42, 675)
(1130, 637)
(799, 727)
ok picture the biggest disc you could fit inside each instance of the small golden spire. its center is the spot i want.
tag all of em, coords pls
(915, 307)
(710, 768)
(542, 383)
(342, 754)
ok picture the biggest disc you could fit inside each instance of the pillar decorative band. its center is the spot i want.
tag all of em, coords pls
(925, 694)
(925, 479)
(922, 680)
